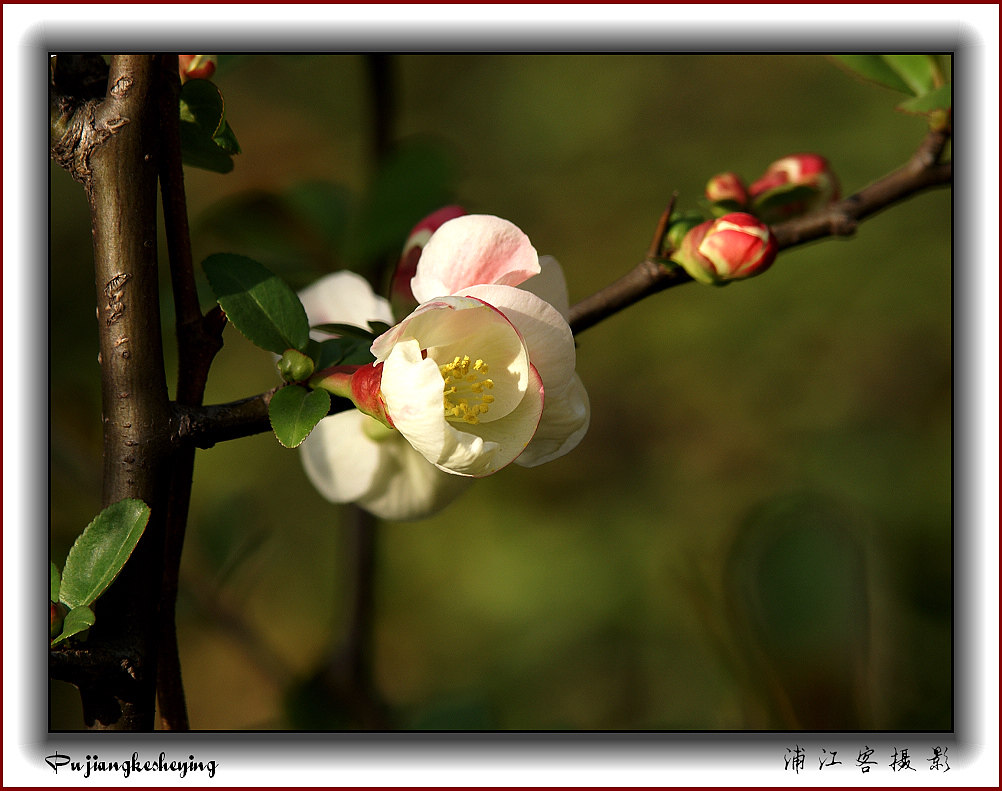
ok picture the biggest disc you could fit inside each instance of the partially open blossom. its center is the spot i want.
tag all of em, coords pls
(731, 247)
(400, 288)
(482, 372)
(794, 185)
(727, 187)
(196, 67)
(352, 457)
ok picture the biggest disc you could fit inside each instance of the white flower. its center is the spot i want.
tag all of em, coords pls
(482, 373)
(351, 457)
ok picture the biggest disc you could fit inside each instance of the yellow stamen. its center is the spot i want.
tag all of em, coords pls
(462, 392)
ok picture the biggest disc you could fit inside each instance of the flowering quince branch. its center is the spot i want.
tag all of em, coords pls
(654, 273)
(479, 373)
(841, 218)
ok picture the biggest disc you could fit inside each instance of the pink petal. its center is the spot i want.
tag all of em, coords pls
(473, 250)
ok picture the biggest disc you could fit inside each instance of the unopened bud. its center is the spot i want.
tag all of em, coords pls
(727, 189)
(196, 67)
(731, 247)
(294, 366)
(793, 185)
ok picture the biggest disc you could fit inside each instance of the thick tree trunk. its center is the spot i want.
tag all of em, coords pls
(113, 149)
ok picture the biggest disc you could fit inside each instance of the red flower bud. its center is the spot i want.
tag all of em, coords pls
(731, 247)
(196, 67)
(727, 187)
(794, 185)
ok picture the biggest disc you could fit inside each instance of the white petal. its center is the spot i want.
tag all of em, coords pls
(410, 487)
(387, 477)
(455, 327)
(343, 298)
(341, 461)
(513, 434)
(485, 448)
(545, 332)
(550, 285)
(564, 423)
(471, 250)
(412, 390)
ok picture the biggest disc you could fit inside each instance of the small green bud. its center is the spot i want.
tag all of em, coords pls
(295, 366)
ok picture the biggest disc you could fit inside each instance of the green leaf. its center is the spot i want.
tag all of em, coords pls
(340, 351)
(207, 141)
(875, 69)
(100, 552)
(917, 71)
(347, 330)
(939, 99)
(259, 303)
(77, 620)
(294, 412)
(53, 582)
(198, 151)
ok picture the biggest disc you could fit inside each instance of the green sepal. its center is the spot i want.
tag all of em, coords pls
(679, 224)
(771, 205)
(721, 207)
(294, 412)
(77, 620)
(101, 550)
(259, 303)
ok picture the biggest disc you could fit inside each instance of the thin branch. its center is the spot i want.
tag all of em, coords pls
(922, 171)
(196, 349)
(212, 424)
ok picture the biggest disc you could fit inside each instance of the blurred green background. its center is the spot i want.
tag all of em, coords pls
(756, 531)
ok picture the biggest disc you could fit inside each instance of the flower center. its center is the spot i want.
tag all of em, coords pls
(463, 393)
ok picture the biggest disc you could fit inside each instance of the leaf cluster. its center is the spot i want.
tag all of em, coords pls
(94, 561)
(265, 309)
(926, 78)
(207, 141)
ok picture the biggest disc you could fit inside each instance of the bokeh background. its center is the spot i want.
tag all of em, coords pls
(756, 532)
